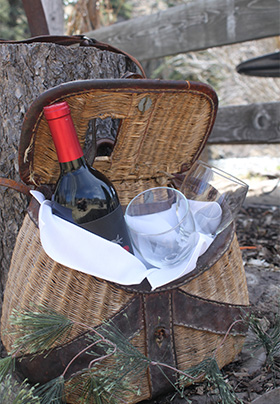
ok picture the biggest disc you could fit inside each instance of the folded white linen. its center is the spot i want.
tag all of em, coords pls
(207, 216)
(76, 248)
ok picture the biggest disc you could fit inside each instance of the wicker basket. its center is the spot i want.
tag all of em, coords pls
(164, 127)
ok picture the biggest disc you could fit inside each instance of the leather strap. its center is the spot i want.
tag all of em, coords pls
(202, 314)
(17, 186)
(160, 340)
(54, 363)
(81, 40)
(156, 314)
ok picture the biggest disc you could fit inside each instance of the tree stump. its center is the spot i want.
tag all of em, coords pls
(26, 71)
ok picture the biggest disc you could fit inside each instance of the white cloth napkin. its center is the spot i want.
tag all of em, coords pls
(207, 216)
(76, 248)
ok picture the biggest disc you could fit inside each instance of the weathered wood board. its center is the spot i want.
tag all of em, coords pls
(196, 25)
(254, 123)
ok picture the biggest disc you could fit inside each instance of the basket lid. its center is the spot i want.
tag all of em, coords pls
(164, 125)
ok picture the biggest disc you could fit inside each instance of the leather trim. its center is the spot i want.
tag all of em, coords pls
(216, 250)
(74, 88)
(68, 40)
(34, 206)
(33, 211)
(160, 340)
(53, 363)
(201, 314)
(157, 314)
(17, 186)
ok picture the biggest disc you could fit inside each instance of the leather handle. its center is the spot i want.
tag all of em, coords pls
(17, 186)
(82, 40)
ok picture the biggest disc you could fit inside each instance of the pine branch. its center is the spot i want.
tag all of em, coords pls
(111, 333)
(214, 377)
(100, 387)
(104, 384)
(129, 361)
(7, 365)
(126, 362)
(43, 327)
(13, 393)
(52, 392)
(37, 331)
(268, 339)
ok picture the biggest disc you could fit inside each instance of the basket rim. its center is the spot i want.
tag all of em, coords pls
(204, 263)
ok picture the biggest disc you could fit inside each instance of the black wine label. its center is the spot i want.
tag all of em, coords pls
(112, 227)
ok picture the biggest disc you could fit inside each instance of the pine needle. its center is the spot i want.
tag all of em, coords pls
(13, 393)
(7, 365)
(52, 392)
(268, 339)
(214, 377)
(38, 330)
(110, 383)
(129, 360)
(111, 332)
(99, 387)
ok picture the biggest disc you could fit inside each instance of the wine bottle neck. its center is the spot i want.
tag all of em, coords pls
(63, 133)
(72, 165)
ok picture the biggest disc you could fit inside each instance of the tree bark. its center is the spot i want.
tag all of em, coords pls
(26, 71)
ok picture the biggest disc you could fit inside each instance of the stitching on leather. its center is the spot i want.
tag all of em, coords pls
(145, 322)
(149, 373)
(174, 359)
(232, 333)
(212, 302)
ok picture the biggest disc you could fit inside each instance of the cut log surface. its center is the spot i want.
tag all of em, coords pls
(26, 71)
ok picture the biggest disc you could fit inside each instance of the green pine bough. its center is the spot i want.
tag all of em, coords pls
(41, 327)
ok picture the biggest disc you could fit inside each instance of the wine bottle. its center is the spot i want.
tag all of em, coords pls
(83, 195)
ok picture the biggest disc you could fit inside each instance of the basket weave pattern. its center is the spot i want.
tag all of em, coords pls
(90, 300)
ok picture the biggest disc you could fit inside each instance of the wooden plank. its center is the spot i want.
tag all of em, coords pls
(55, 16)
(36, 17)
(199, 24)
(248, 124)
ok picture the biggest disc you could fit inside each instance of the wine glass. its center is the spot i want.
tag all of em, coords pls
(215, 196)
(160, 224)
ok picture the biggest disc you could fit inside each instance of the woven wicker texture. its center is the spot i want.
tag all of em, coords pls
(162, 127)
(36, 278)
(153, 142)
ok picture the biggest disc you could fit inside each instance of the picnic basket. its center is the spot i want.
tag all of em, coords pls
(163, 128)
